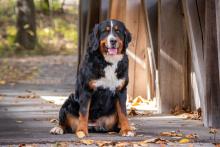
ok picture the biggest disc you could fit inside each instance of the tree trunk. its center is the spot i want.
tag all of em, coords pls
(26, 25)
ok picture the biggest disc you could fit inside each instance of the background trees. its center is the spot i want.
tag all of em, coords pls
(26, 24)
(42, 27)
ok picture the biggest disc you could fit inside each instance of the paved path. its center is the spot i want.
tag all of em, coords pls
(26, 118)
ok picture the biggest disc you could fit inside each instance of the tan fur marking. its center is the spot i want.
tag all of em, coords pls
(83, 122)
(123, 122)
(108, 122)
(72, 122)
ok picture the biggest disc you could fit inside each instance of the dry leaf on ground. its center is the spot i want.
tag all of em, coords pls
(54, 121)
(171, 134)
(87, 141)
(213, 130)
(192, 136)
(30, 96)
(154, 140)
(184, 140)
(19, 121)
(104, 143)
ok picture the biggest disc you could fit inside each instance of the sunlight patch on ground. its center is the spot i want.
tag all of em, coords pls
(138, 104)
(57, 100)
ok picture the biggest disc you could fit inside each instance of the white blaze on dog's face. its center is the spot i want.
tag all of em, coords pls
(112, 43)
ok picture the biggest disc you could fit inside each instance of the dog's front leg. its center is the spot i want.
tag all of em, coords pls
(82, 128)
(122, 115)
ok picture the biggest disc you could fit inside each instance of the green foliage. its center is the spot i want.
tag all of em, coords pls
(56, 31)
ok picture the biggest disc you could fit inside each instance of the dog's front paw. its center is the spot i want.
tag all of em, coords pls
(80, 134)
(57, 130)
(127, 132)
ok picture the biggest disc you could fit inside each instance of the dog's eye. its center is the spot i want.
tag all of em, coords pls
(117, 30)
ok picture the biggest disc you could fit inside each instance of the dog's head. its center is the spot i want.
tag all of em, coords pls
(110, 37)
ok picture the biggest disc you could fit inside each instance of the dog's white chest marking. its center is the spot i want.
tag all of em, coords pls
(110, 79)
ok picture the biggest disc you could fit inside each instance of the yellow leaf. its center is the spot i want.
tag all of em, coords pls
(192, 136)
(87, 141)
(137, 101)
(184, 140)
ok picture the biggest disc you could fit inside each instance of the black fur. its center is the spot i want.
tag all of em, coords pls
(102, 100)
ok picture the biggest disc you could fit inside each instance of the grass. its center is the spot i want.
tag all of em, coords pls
(56, 31)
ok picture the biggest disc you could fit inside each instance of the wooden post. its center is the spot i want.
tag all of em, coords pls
(83, 14)
(172, 56)
(194, 24)
(89, 16)
(140, 76)
(212, 40)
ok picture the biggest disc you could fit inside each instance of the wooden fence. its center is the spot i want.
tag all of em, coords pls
(175, 50)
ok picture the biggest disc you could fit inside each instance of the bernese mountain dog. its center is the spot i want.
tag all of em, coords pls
(99, 102)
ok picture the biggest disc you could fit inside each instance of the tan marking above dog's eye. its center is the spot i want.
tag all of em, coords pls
(107, 28)
(116, 27)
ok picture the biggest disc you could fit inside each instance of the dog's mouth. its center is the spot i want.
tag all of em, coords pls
(112, 51)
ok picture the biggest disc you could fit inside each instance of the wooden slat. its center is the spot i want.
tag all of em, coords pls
(118, 9)
(141, 80)
(89, 16)
(83, 14)
(211, 49)
(172, 56)
(150, 31)
(195, 35)
(151, 9)
(104, 10)
(131, 23)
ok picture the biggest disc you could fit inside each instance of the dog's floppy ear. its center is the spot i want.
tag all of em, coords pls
(93, 43)
(127, 38)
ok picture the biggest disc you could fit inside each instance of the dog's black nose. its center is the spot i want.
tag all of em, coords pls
(113, 41)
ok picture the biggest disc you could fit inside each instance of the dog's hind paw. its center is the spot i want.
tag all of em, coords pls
(57, 130)
(127, 133)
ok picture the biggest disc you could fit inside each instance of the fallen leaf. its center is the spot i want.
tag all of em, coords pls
(184, 140)
(132, 112)
(19, 121)
(55, 121)
(31, 96)
(155, 140)
(87, 141)
(213, 130)
(192, 136)
(123, 144)
(137, 101)
(172, 134)
(104, 143)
